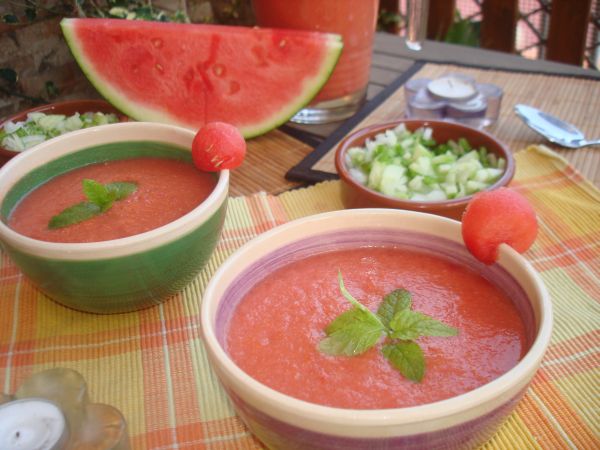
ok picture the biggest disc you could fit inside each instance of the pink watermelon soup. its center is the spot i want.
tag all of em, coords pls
(166, 190)
(189, 75)
(274, 331)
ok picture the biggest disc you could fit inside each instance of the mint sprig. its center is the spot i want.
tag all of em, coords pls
(410, 325)
(100, 198)
(357, 330)
(352, 332)
(74, 214)
(406, 357)
(395, 301)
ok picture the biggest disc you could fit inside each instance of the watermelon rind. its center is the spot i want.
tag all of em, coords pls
(144, 112)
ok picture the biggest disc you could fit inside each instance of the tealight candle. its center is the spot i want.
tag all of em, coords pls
(452, 88)
(32, 424)
(421, 105)
(413, 86)
(475, 107)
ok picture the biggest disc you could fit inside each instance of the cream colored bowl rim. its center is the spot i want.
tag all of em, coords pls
(74, 141)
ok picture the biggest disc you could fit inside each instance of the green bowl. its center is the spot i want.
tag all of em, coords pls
(122, 274)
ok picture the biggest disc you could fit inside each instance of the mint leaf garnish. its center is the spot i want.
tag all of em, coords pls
(392, 303)
(100, 199)
(74, 214)
(407, 357)
(410, 325)
(351, 299)
(98, 194)
(120, 190)
(351, 333)
(357, 330)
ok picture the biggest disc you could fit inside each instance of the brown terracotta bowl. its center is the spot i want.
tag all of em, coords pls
(356, 195)
(67, 108)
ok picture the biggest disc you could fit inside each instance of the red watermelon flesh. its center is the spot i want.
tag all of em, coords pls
(191, 74)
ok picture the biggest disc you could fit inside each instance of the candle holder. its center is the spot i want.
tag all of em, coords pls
(51, 410)
(453, 97)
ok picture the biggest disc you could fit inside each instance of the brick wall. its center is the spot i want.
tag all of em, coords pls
(38, 54)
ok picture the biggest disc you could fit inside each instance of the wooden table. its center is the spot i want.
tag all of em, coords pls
(271, 155)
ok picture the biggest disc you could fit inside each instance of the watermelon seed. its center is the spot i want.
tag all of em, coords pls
(218, 70)
(159, 68)
(158, 43)
(282, 43)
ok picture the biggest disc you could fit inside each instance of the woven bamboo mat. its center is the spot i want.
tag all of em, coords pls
(576, 100)
(268, 158)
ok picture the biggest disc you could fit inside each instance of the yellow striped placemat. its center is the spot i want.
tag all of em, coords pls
(152, 364)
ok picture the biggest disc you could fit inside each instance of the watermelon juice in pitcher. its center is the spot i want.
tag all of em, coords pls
(355, 21)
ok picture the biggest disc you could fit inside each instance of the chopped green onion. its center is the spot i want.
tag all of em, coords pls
(411, 165)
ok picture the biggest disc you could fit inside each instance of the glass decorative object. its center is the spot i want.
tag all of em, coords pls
(51, 410)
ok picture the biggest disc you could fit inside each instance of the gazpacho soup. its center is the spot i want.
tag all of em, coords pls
(466, 322)
(112, 196)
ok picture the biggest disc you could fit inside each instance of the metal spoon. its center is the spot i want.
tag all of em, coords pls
(553, 128)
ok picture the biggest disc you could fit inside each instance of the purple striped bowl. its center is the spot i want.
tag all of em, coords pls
(284, 422)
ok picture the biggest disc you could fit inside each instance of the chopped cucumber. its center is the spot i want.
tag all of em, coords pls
(19, 136)
(413, 166)
(393, 181)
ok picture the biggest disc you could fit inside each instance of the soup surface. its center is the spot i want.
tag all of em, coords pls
(166, 190)
(274, 331)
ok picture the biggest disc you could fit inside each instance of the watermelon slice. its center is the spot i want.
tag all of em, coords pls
(190, 74)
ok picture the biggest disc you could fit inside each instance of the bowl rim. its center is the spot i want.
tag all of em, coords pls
(361, 134)
(75, 141)
(97, 104)
(321, 418)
